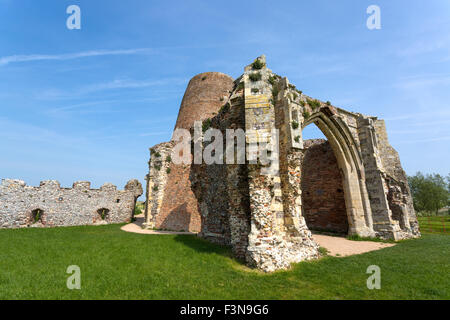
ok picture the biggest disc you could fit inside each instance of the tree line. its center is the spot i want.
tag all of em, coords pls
(430, 192)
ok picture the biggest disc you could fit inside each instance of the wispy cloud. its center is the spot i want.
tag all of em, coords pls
(70, 56)
(54, 94)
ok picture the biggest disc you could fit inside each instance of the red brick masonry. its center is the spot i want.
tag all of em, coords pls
(203, 98)
(323, 195)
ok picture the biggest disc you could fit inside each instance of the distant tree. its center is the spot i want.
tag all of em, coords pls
(430, 192)
(448, 189)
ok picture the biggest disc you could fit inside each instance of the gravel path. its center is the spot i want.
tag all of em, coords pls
(340, 246)
(136, 227)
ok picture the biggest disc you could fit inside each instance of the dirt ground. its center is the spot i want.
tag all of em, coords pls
(340, 246)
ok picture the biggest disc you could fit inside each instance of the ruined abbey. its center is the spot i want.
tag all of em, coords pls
(352, 184)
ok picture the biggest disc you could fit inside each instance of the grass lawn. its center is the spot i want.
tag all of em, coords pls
(435, 224)
(119, 265)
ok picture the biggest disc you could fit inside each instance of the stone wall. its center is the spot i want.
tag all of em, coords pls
(323, 194)
(222, 189)
(49, 205)
(396, 183)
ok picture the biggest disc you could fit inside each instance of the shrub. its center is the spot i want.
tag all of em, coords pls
(272, 80)
(257, 65)
(295, 125)
(206, 125)
(297, 139)
(314, 104)
(294, 96)
(240, 86)
(168, 170)
(302, 103)
(224, 108)
(155, 188)
(275, 93)
(328, 103)
(306, 114)
(256, 76)
(157, 167)
(157, 154)
(255, 90)
(168, 158)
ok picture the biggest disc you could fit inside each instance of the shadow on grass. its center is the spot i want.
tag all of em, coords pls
(205, 246)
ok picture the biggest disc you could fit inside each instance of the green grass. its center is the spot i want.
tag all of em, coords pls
(435, 224)
(120, 265)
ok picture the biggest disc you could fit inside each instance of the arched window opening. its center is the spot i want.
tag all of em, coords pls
(36, 215)
(323, 200)
(103, 213)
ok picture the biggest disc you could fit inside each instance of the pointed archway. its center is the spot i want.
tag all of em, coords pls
(349, 162)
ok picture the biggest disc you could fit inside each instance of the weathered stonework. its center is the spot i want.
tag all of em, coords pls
(49, 205)
(259, 209)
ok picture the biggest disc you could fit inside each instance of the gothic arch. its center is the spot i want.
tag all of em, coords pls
(350, 162)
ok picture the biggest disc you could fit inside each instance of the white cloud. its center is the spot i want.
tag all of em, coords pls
(70, 56)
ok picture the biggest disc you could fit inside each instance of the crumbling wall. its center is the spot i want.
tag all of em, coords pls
(398, 193)
(222, 189)
(323, 194)
(278, 235)
(49, 205)
(159, 168)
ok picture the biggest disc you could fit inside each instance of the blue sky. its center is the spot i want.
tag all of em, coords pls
(87, 104)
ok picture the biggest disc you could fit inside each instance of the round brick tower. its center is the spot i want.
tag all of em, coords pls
(203, 97)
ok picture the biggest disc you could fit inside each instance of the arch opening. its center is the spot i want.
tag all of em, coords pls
(323, 197)
(350, 164)
(36, 216)
(103, 213)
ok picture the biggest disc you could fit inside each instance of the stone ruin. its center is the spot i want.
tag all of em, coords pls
(49, 205)
(351, 184)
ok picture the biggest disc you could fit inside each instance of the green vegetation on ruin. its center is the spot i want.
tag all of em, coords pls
(272, 80)
(306, 114)
(257, 65)
(256, 76)
(314, 104)
(206, 125)
(120, 265)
